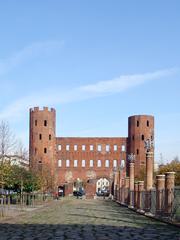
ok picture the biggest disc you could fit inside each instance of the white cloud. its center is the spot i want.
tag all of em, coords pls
(102, 88)
(126, 81)
(28, 52)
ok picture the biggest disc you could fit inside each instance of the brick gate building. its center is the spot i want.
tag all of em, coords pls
(72, 159)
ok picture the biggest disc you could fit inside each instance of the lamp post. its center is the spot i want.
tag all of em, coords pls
(131, 159)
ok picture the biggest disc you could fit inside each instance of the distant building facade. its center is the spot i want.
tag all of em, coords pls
(72, 159)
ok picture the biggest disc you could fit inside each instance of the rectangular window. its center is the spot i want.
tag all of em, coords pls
(83, 163)
(99, 148)
(59, 147)
(137, 123)
(114, 163)
(45, 150)
(49, 136)
(115, 148)
(67, 163)
(35, 122)
(122, 164)
(75, 163)
(107, 148)
(99, 163)
(45, 123)
(91, 163)
(59, 163)
(123, 148)
(83, 147)
(67, 147)
(75, 147)
(107, 163)
(40, 136)
(91, 147)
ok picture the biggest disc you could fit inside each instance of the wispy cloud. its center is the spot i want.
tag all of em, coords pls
(126, 81)
(28, 52)
(102, 88)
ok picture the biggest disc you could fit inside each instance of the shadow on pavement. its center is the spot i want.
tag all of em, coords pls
(85, 231)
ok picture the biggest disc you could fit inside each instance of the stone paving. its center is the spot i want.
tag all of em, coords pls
(85, 219)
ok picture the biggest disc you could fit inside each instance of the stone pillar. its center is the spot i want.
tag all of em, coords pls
(136, 194)
(160, 187)
(131, 184)
(115, 185)
(119, 196)
(118, 175)
(169, 192)
(127, 190)
(140, 192)
(122, 191)
(149, 180)
(149, 171)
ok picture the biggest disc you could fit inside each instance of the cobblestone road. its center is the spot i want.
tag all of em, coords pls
(85, 219)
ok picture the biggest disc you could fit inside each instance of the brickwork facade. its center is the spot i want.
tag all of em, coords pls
(72, 158)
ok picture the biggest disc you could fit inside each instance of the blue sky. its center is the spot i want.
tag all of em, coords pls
(96, 62)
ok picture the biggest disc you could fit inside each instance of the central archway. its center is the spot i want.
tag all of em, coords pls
(102, 185)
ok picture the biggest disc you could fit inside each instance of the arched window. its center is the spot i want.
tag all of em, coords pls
(137, 123)
(107, 163)
(59, 163)
(67, 163)
(99, 163)
(147, 123)
(45, 123)
(114, 163)
(122, 163)
(137, 152)
(75, 163)
(83, 163)
(142, 137)
(91, 163)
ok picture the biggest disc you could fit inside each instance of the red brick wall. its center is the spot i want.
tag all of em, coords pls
(37, 145)
(71, 173)
(135, 140)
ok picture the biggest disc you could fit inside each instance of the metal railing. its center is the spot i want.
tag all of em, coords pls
(10, 204)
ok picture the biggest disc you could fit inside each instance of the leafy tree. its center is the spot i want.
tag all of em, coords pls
(173, 166)
(24, 180)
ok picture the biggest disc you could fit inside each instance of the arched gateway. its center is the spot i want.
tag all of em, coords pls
(65, 159)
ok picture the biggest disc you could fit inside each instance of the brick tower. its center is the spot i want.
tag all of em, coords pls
(140, 128)
(42, 139)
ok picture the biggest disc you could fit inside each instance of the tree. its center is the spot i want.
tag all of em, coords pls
(24, 180)
(173, 166)
(7, 140)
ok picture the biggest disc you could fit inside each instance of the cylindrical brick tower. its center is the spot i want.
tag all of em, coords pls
(140, 128)
(42, 139)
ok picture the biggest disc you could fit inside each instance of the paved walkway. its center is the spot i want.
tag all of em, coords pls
(85, 219)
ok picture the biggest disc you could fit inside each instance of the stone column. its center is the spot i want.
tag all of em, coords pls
(160, 187)
(169, 192)
(149, 180)
(136, 194)
(115, 185)
(122, 191)
(119, 197)
(118, 188)
(140, 192)
(131, 184)
(126, 190)
(149, 171)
